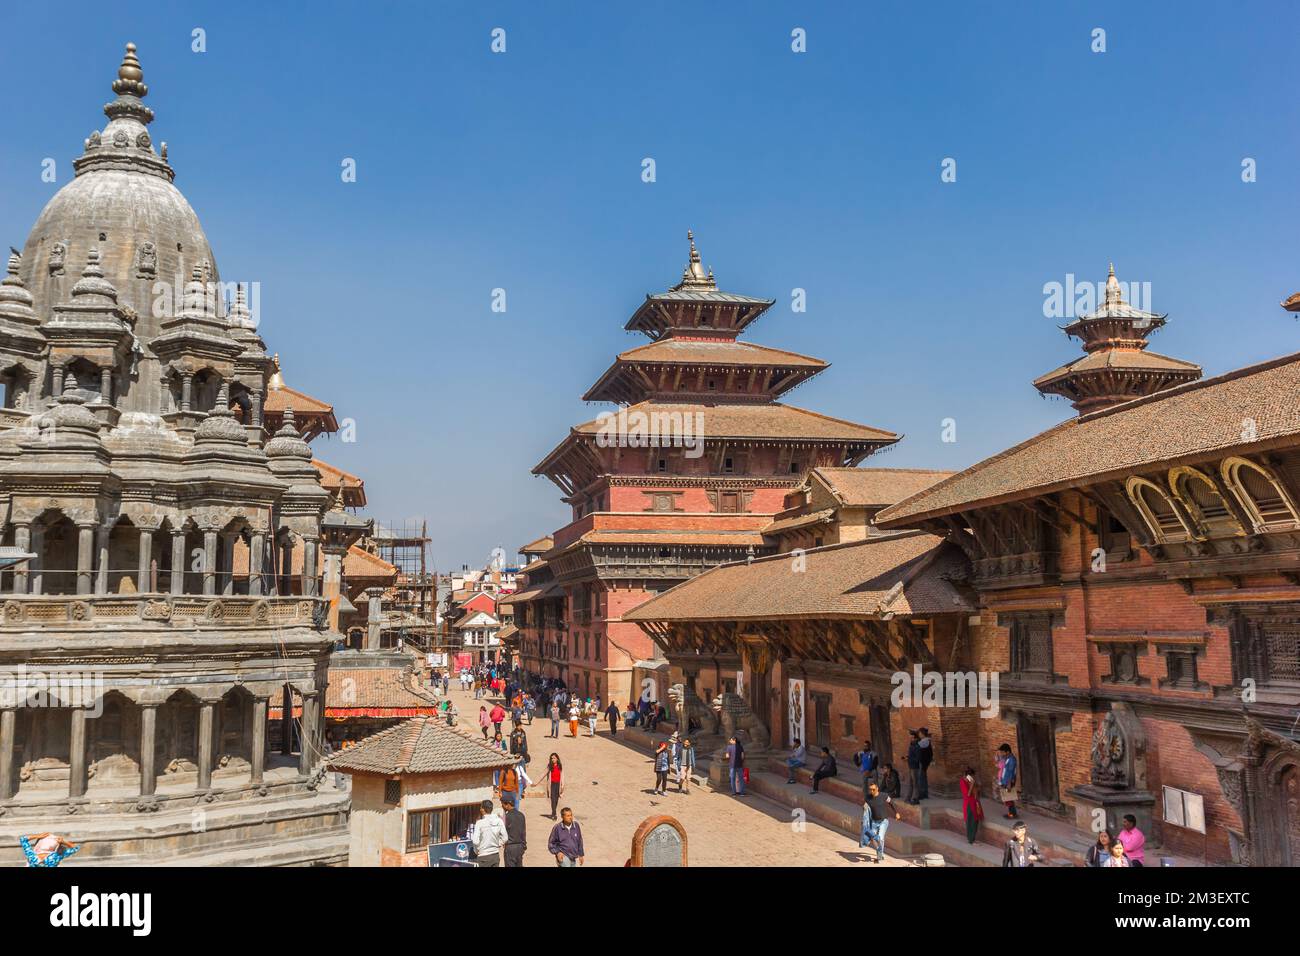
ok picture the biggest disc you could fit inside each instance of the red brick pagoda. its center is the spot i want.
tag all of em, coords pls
(683, 477)
(1117, 366)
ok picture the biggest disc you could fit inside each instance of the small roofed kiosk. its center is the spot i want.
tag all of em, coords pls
(416, 784)
(1138, 572)
(812, 638)
(684, 475)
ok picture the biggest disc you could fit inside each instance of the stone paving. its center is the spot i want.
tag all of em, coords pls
(608, 784)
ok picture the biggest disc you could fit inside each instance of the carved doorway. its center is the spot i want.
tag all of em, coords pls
(881, 738)
(822, 719)
(1291, 816)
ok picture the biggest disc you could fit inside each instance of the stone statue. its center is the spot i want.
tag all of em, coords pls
(1108, 753)
(692, 715)
(740, 722)
(148, 267)
(58, 258)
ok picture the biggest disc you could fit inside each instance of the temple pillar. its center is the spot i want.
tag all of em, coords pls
(209, 562)
(106, 386)
(8, 717)
(85, 558)
(143, 582)
(286, 721)
(374, 618)
(228, 542)
(256, 398)
(310, 586)
(258, 749)
(101, 562)
(23, 542)
(333, 584)
(178, 561)
(206, 709)
(310, 746)
(77, 755)
(148, 748)
(256, 548)
(37, 565)
(58, 381)
(187, 391)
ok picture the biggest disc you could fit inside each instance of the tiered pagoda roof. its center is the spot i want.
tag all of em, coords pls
(1116, 366)
(694, 366)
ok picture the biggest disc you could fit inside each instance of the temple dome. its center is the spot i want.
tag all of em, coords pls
(123, 203)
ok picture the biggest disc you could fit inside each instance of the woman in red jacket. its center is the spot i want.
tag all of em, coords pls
(972, 810)
(555, 781)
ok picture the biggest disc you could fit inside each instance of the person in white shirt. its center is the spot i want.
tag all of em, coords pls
(489, 836)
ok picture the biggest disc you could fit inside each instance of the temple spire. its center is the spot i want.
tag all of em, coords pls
(130, 78)
(694, 276)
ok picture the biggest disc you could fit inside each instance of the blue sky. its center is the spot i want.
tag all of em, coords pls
(818, 170)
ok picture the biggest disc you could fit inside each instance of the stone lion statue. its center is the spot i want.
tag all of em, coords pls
(739, 721)
(692, 715)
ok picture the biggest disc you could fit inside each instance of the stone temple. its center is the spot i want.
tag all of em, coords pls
(153, 609)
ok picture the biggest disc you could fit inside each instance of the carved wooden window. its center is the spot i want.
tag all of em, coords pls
(1157, 510)
(1124, 664)
(1113, 537)
(1031, 645)
(1266, 502)
(727, 466)
(1202, 499)
(392, 792)
(1282, 650)
(1180, 668)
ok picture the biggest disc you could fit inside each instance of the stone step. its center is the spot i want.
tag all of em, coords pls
(904, 839)
(169, 835)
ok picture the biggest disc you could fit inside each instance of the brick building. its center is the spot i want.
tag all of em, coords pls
(683, 477)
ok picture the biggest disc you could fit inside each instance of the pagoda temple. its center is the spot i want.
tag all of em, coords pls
(1117, 366)
(654, 506)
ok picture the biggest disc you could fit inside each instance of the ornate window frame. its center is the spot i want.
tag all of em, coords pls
(1178, 477)
(1229, 470)
(1131, 489)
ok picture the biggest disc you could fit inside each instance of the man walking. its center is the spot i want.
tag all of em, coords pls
(565, 843)
(555, 718)
(914, 768)
(612, 715)
(1021, 851)
(516, 828)
(488, 836)
(925, 752)
(876, 807)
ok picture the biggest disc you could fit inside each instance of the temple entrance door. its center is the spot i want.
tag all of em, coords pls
(881, 741)
(760, 697)
(1037, 760)
(822, 719)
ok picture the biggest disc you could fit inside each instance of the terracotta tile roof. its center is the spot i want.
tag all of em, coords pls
(540, 546)
(278, 399)
(1120, 359)
(825, 516)
(373, 687)
(333, 478)
(717, 352)
(360, 563)
(550, 589)
(772, 420)
(421, 745)
(856, 579)
(1185, 423)
(868, 487)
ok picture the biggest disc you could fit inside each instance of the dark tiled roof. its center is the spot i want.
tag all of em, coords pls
(825, 516)
(853, 580)
(1121, 359)
(420, 745)
(717, 352)
(1186, 423)
(772, 420)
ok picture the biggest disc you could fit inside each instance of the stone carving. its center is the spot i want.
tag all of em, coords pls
(261, 613)
(740, 722)
(58, 258)
(13, 612)
(156, 611)
(78, 611)
(95, 140)
(216, 611)
(147, 266)
(1108, 753)
(690, 713)
(120, 139)
(147, 805)
(143, 141)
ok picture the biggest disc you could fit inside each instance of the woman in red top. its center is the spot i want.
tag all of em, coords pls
(555, 781)
(971, 808)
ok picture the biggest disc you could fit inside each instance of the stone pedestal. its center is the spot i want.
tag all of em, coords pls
(1115, 803)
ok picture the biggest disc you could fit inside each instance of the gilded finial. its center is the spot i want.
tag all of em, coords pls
(130, 78)
(690, 237)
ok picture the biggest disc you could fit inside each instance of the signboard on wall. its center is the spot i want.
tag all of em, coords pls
(795, 711)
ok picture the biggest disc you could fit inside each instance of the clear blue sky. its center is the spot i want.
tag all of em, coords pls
(817, 170)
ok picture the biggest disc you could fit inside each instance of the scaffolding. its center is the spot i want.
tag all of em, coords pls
(412, 598)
